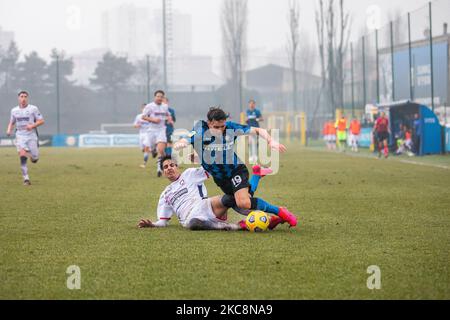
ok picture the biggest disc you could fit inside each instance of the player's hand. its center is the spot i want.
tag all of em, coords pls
(277, 146)
(194, 158)
(144, 223)
(30, 127)
(180, 145)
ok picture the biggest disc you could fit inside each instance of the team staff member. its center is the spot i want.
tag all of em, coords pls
(341, 127)
(382, 132)
(355, 131)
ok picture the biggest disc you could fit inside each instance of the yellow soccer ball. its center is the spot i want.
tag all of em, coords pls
(257, 221)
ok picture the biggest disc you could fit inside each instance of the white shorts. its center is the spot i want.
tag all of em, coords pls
(29, 144)
(202, 211)
(144, 140)
(354, 137)
(155, 137)
(330, 138)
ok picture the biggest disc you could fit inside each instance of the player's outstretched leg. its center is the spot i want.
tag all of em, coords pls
(258, 173)
(283, 213)
(146, 156)
(202, 225)
(24, 168)
(161, 154)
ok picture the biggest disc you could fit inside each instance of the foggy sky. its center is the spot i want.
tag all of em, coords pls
(41, 25)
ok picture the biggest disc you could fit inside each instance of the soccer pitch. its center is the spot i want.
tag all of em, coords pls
(355, 212)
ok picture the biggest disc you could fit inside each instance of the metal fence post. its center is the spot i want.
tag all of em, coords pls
(392, 61)
(378, 66)
(364, 70)
(58, 116)
(353, 79)
(431, 56)
(411, 92)
(148, 79)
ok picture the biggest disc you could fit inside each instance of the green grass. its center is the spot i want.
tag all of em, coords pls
(354, 212)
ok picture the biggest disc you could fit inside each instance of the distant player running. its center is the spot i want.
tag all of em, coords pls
(157, 113)
(254, 117)
(219, 159)
(144, 141)
(187, 198)
(170, 128)
(26, 118)
(382, 131)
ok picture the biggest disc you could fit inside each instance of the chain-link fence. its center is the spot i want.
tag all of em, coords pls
(407, 59)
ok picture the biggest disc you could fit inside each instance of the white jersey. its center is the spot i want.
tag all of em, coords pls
(157, 111)
(142, 123)
(22, 117)
(181, 196)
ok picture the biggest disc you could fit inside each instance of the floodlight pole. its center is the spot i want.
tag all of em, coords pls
(58, 126)
(165, 43)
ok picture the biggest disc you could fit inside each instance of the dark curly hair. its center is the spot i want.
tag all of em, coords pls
(165, 158)
(217, 114)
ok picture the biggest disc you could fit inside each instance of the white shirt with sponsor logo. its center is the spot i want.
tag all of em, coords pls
(22, 117)
(142, 123)
(157, 111)
(182, 195)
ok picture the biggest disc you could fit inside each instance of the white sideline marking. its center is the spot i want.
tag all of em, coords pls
(359, 155)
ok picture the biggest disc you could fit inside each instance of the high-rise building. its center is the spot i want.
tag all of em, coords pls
(131, 31)
(6, 37)
(137, 31)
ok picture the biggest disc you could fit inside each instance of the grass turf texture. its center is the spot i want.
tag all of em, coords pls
(354, 212)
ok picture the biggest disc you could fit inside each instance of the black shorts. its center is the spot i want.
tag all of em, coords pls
(382, 136)
(238, 181)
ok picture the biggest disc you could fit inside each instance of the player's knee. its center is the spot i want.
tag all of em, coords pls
(228, 201)
(196, 225)
(244, 203)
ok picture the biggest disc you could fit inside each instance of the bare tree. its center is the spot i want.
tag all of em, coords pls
(342, 47)
(320, 28)
(234, 21)
(293, 46)
(148, 75)
(333, 36)
(330, 23)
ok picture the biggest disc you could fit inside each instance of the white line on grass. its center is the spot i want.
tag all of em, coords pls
(360, 155)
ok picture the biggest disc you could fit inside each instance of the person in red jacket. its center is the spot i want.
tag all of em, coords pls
(382, 131)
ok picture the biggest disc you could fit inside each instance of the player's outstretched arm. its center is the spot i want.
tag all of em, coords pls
(10, 129)
(35, 125)
(275, 145)
(145, 223)
(151, 119)
(181, 144)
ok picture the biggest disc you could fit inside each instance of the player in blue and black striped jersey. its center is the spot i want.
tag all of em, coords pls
(214, 142)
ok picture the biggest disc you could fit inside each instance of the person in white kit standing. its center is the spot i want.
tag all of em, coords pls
(26, 118)
(144, 141)
(157, 113)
